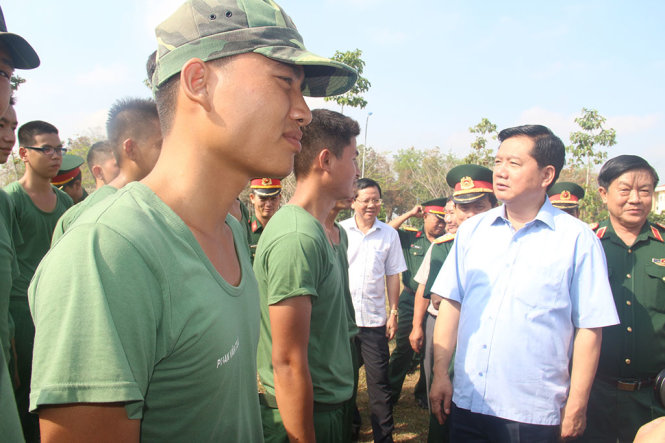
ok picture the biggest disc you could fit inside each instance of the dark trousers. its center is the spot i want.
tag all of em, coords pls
(471, 427)
(373, 350)
(402, 358)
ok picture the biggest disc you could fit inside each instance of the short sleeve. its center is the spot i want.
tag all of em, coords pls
(448, 283)
(590, 292)
(292, 266)
(395, 261)
(97, 307)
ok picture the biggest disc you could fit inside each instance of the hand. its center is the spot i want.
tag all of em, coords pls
(416, 211)
(573, 422)
(440, 397)
(652, 431)
(416, 338)
(436, 301)
(391, 327)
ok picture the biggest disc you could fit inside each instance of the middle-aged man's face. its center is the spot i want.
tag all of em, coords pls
(517, 177)
(628, 198)
(6, 71)
(464, 211)
(46, 166)
(433, 225)
(259, 104)
(8, 124)
(265, 206)
(451, 219)
(367, 204)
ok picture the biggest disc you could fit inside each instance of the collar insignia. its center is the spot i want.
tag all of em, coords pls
(656, 234)
(601, 232)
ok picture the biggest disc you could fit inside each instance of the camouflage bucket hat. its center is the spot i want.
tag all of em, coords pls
(212, 29)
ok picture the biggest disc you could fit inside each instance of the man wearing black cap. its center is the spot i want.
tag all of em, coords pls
(476, 197)
(414, 244)
(170, 348)
(265, 196)
(15, 53)
(499, 288)
(567, 197)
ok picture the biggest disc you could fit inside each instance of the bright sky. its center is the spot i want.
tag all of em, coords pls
(436, 68)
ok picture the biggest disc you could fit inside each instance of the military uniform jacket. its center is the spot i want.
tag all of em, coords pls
(635, 348)
(254, 231)
(440, 250)
(414, 246)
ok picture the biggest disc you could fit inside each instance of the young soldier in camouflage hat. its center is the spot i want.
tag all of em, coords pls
(152, 334)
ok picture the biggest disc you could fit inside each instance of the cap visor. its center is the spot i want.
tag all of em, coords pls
(469, 198)
(323, 77)
(23, 55)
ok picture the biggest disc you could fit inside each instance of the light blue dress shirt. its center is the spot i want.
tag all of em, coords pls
(522, 293)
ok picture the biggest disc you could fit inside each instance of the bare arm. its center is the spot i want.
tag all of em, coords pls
(445, 340)
(392, 287)
(586, 351)
(416, 211)
(419, 309)
(290, 322)
(87, 422)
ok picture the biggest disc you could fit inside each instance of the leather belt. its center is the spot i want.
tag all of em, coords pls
(628, 384)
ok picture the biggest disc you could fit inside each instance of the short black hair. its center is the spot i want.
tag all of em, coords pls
(28, 132)
(328, 129)
(621, 164)
(127, 119)
(98, 153)
(365, 183)
(548, 149)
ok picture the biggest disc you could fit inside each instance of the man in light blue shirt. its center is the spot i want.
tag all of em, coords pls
(525, 290)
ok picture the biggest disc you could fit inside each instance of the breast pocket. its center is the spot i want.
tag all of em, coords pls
(654, 294)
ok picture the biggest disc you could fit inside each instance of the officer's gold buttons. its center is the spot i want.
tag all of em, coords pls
(629, 329)
(628, 276)
(627, 361)
(630, 251)
(628, 302)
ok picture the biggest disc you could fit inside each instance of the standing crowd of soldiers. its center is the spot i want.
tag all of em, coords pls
(145, 310)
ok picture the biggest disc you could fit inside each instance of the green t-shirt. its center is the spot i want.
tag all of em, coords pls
(10, 235)
(10, 426)
(341, 250)
(128, 308)
(36, 229)
(75, 211)
(294, 258)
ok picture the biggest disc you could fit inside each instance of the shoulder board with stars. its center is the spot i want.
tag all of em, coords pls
(444, 239)
(656, 233)
(410, 229)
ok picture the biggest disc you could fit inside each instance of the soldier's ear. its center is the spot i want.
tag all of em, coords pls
(194, 78)
(603, 194)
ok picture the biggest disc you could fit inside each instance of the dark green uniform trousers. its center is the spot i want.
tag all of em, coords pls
(401, 359)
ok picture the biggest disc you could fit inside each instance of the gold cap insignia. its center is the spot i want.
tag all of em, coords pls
(466, 183)
(265, 181)
(565, 195)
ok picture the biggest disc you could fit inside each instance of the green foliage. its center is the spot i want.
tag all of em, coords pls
(80, 146)
(584, 150)
(657, 218)
(480, 154)
(16, 81)
(353, 97)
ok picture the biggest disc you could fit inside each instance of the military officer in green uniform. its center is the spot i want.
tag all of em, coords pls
(567, 197)
(472, 195)
(265, 197)
(414, 244)
(632, 352)
(69, 177)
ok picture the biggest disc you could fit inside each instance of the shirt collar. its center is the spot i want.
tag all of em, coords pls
(545, 215)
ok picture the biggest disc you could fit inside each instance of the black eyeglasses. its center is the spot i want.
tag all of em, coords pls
(48, 150)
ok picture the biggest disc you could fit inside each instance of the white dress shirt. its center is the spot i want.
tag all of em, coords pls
(371, 257)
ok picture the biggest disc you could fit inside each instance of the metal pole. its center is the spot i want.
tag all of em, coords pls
(362, 170)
